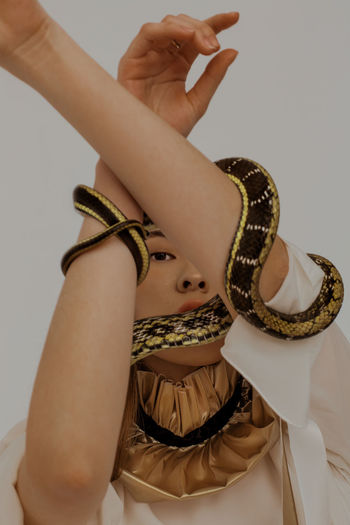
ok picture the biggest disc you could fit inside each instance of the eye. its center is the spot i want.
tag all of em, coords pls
(161, 253)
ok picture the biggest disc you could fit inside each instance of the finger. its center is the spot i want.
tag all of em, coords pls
(213, 25)
(204, 89)
(222, 21)
(205, 29)
(153, 36)
(172, 27)
(204, 39)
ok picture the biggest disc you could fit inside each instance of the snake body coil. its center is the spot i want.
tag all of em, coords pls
(249, 250)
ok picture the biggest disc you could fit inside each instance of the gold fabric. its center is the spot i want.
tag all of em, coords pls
(289, 509)
(156, 471)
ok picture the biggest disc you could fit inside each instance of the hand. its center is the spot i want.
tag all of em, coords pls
(21, 21)
(154, 71)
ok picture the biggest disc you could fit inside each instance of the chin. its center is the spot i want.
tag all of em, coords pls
(193, 355)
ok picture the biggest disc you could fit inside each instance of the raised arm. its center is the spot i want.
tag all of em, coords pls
(190, 199)
(184, 193)
(157, 76)
(78, 399)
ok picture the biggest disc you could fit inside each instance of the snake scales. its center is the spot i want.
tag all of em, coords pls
(249, 250)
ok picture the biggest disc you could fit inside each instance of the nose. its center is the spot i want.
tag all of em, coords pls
(192, 280)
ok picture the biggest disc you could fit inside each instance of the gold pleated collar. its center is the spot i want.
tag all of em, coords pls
(182, 406)
(157, 471)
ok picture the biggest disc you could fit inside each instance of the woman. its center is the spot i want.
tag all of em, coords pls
(60, 470)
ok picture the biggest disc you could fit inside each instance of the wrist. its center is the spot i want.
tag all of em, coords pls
(28, 58)
(184, 131)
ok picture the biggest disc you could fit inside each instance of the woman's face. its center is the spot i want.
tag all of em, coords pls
(172, 280)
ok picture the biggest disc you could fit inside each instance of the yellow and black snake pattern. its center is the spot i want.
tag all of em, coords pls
(249, 250)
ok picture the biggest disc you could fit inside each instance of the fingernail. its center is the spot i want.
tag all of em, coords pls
(233, 59)
(212, 42)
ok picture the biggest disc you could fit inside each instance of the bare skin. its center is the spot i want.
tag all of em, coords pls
(122, 128)
(156, 75)
(173, 280)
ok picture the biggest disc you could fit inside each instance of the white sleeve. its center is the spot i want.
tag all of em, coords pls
(12, 448)
(279, 369)
(11, 453)
(330, 409)
(307, 383)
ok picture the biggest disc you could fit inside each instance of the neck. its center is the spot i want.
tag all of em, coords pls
(172, 371)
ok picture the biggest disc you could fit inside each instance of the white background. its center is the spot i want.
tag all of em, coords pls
(284, 103)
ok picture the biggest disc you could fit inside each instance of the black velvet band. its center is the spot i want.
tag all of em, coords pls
(198, 435)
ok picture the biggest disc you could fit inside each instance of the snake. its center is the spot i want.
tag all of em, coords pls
(251, 244)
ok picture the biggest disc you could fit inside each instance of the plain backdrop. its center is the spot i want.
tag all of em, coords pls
(283, 103)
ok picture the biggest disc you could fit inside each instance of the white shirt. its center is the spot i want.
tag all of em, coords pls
(307, 383)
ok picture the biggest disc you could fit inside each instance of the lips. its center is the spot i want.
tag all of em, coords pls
(190, 305)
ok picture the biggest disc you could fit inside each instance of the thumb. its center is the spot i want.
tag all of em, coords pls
(205, 87)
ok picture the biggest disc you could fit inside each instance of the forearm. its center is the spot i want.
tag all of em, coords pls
(187, 196)
(159, 167)
(80, 389)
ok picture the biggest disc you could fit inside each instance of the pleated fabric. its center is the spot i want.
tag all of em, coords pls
(156, 471)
